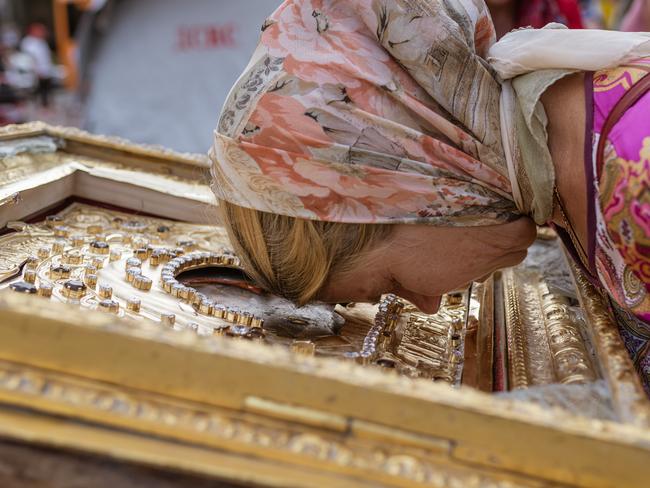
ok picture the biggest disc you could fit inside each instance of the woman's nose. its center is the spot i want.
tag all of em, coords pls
(425, 303)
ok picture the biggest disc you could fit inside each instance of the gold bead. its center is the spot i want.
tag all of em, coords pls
(219, 311)
(131, 273)
(45, 290)
(187, 246)
(167, 319)
(77, 241)
(257, 322)
(44, 252)
(143, 283)
(133, 305)
(191, 295)
(74, 289)
(32, 262)
(115, 256)
(100, 247)
(53, 221)
(245, 318)
(97, 263)
(132, 263)
(176, 289)
(110, 306)
(231, 315)
(308, 348)
(91, 280)
(155, 259)
(184, 293)
(73, 257)
(61, 231)
(105, 291)
(167, 285)
(206, 306)
(29, 276)
(140, 253)
(95, 229)
(58, 247)
(90, 269)
(139, 242)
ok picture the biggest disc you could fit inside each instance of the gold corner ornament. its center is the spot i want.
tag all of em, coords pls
(144, 334)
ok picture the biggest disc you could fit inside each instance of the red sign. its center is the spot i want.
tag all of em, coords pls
(206, 37)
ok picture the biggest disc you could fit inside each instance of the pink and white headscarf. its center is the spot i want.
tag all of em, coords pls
(368, 111)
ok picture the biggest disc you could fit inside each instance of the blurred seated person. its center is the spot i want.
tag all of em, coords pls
(511, 14)
(35, 44)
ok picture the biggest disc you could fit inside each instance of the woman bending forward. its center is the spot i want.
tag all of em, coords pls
(376, 146)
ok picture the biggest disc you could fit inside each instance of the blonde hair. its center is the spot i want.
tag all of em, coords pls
(294, 257)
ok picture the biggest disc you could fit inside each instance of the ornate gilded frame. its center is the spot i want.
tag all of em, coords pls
(253, 413)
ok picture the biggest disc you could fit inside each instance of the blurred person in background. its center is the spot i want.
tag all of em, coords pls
(637, 18)
(17, 77)
(511, 14)
(35, 44)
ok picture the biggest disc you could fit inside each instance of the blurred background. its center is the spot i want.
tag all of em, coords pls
(158, 71)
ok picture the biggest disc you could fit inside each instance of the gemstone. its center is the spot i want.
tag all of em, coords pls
(23, 287)
(238, 330)
(74, 289)
(162, 229)
(59, 272)
(74, 285)
(133, 225)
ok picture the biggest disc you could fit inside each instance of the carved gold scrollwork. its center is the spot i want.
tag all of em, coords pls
(545, 343)
(514, 333)
(570, 358)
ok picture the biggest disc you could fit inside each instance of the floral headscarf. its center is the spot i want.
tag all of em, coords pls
(368, 111)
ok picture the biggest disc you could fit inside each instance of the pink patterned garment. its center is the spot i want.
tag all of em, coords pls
(367, 111)
(620, 208)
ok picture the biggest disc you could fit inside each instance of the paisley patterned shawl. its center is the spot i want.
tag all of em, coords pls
(368, 111)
